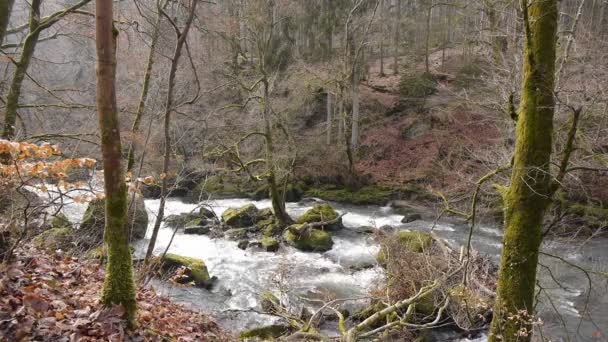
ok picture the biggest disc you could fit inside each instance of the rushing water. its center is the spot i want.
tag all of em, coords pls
(348, 270)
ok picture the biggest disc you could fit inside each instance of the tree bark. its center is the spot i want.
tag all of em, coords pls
(6, 7)
(329, 118)
(427, 37)
(36, 25)
(144, 91)
(528, 196)
(118, 287)
(27, 52)
(354, 137)
(181, 40)
(397, 36)
(278, 203)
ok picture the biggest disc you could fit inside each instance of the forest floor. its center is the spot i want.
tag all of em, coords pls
(55, 297)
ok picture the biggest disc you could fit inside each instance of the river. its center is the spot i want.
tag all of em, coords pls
(570, 311)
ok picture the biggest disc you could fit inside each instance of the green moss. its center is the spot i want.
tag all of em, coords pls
(197, 222)
(270, 244)
(269, 302)
(241, 217)
(270, 332)
(312, 241)
(60, 221)
(53, 239)
(237, 233)
(412, 241)
(176, 221)
(319, 213)
(366, 195)
(221, 187)
(196, 268)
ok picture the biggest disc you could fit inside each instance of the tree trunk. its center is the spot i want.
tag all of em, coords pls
(27, 52)
(354, 137)
(118, 287)
(329, 118)
(144, 91)
(427, 38)
(278, 202)
(29, 46)
(397, 36)
(6, 7)
(164, 189)
(528, 196)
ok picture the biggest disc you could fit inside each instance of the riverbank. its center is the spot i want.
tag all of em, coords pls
(55, 297)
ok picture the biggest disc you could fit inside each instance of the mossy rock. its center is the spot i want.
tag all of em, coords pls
(220, 187)
(197, 222)
(54, 239)
(101, 252)
(241, 217)
(370, 194)
(93, 222)
(265, 213)
(269, 302)
(60, 221)
(319, 213)
(237, 233)
(196, 270)
(314, 240)
(204, 212)
(266, 333)
(269, 244)
(411, 217)
(197, 230)
(150, 191)
(414, 241)
(180, 220)
(270, 227)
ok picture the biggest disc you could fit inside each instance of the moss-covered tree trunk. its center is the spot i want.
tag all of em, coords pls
(36, 26)
(144, 91)
(6, 7)
(164, 189)
(27, 52)
(278, 201)
(528, 196)
(118, 287)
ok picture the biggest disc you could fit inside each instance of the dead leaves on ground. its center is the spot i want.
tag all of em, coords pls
(56, 298)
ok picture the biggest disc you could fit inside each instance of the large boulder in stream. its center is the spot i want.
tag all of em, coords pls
(92, 225)
(306, 239)
(244, 216)
(195, 270)
(322, 213)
